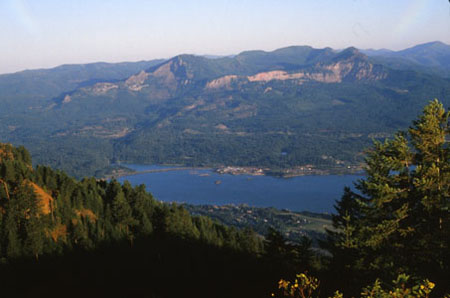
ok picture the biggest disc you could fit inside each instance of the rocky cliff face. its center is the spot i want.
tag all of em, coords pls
(188, 73)
(222, 82)
(350, 65)
(136, 82)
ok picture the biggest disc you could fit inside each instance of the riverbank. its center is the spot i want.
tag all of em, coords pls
(315, 193)
(124, 170)
(305, 170)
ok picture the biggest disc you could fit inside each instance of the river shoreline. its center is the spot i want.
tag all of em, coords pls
(306, 170)
(200, 186)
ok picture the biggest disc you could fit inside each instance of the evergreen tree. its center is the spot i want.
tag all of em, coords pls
(34, 241)
(303, 254)
(10, 237)
(398, 220)
(275, 245)
(122, 215)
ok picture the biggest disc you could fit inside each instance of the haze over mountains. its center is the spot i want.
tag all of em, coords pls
(293, 106)
(432, 56)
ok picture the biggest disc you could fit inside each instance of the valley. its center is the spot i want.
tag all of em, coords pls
(292, 108)
(229, 149)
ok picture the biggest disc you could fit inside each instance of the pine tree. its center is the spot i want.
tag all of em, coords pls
(34, 241)
(275, 245)
(30, 221)
(122, 215)
(398, 219)
(10, 235)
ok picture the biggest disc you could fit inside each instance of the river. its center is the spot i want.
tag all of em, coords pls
(203, 186)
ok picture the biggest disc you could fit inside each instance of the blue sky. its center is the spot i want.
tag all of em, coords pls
(47, 33)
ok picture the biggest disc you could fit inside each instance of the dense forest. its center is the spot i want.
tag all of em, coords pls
(64, 237)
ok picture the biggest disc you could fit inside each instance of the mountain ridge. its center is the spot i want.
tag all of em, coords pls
(432, 57)
(282, 109)
(185, 69)
(370, 52)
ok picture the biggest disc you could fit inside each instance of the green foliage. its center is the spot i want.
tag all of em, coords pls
(400, 289)
(398, 220)
(96, 235)
(43, 212)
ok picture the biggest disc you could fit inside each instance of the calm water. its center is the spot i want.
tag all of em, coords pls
(311, 193)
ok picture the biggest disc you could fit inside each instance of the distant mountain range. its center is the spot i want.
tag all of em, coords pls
(433, 57)
(290, 107)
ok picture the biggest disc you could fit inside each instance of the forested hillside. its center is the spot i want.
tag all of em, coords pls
(45, 211)
(99, 238)
(281, 109)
